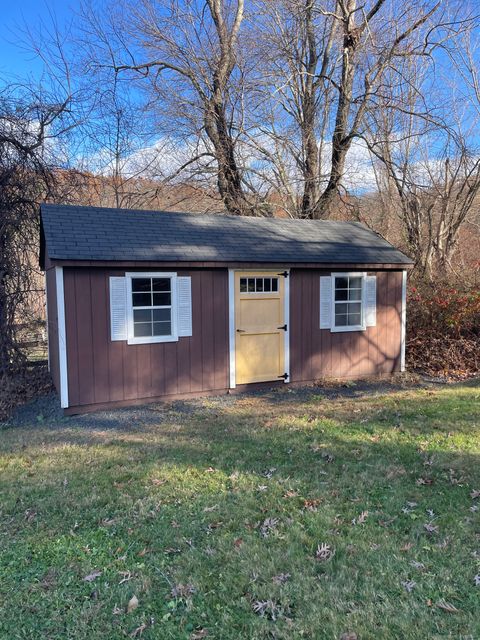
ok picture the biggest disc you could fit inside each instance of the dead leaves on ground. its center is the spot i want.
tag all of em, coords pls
(183, 591)
(268, 526)
(92, 576)
(132, 604)
(447, 606)
(324, 552)
(269, 609)
(362, 518)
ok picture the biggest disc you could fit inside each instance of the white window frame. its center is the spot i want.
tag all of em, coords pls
(351, 274)
(173, 337)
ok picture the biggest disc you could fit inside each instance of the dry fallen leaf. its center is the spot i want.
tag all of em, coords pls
(127, 575)
(349, 635)
(475, 494)
(311, 504)
(91, 576)
(409, 585)
(199, 634)
(324, 552)
(132, 604)
(138, 631)
(447, 606)
(281, 578)
(182, 590)
(430, 528)
(267, 526)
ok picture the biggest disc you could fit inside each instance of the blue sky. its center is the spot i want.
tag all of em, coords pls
(14, 59)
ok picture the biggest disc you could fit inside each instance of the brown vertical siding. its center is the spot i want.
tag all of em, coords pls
(52, 328)
(317, 353)
(102, 371)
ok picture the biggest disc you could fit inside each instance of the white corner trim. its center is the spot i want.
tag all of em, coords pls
(62, 338)
(286, 314)
(404, 320)
(231, 325)
(46, 321)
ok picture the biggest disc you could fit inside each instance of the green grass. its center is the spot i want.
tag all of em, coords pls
(196, 511)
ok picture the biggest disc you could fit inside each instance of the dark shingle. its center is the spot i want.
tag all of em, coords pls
(94, 233)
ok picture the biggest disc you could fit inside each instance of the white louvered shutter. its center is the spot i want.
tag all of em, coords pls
(184, 306)
(371, 301)
(118, 308)
(325, 302)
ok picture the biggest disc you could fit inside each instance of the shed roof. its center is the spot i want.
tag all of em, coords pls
(103, 234)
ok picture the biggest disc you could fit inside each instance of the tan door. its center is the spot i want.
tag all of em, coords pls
(259, 326)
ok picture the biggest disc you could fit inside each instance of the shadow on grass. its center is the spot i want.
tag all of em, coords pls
(294, 432)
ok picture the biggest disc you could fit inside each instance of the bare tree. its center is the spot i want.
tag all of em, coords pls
(29, 122)
(425, 163)
(328, 65)
(188, 51)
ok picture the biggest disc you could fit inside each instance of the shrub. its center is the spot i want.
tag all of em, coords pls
(443, 330)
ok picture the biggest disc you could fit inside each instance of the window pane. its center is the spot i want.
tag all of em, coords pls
(340, 319)
(267, 284)
(355, 282)
(161, 284)
(162, 329)
(342, 307)
(341, 294)
(259, 284)
(161, 315)
(161, 299)
(274, 284)
(341, 283)
(141, 284)
(142, 300)
(142, 315)
(355, 294)
(355, 307)
(354, 319)
(251, 285)
(243, 285)
(142, 329)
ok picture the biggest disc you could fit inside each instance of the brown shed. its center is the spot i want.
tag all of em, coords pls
(147, 305)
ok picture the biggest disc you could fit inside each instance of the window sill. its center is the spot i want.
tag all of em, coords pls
(347, 329)
(152, 340)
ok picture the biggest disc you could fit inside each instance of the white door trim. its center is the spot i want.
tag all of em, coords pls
(231, 319)
(231, 325)
(286, 315)
(62, 338)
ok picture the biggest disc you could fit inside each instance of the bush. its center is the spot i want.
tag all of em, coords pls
(443, 330)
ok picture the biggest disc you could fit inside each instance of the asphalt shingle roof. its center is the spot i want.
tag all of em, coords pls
(94, 233)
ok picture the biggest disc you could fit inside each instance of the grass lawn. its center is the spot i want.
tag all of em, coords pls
(208, 517)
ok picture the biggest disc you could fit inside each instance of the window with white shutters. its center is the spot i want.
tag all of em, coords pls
(150, 307)
(347, 301)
